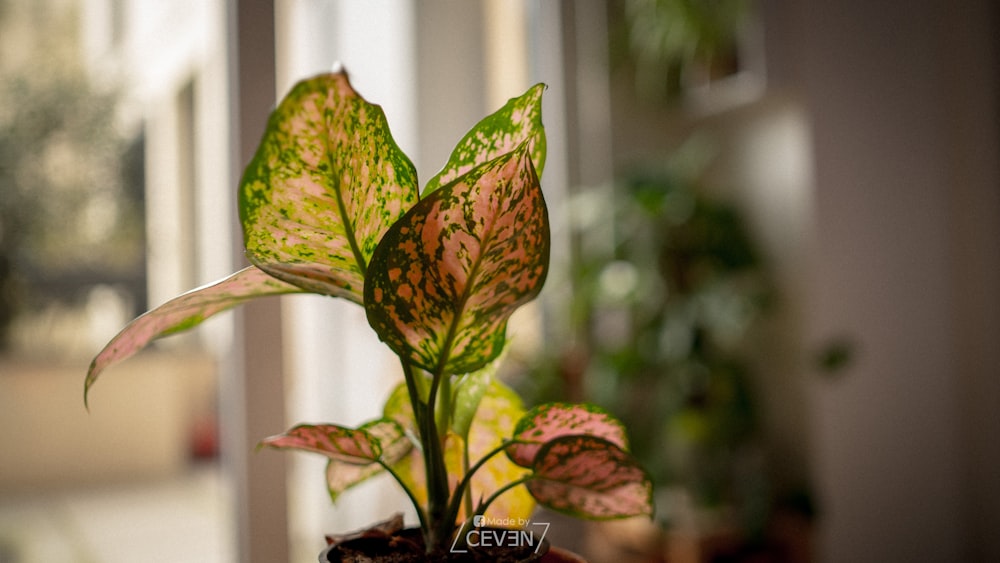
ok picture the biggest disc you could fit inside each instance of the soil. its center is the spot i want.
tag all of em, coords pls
(382, 544)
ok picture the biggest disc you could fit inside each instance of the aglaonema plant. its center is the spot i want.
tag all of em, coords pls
(330, 205)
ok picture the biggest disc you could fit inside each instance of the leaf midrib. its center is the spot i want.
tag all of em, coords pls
(466, 295)
(349, 228)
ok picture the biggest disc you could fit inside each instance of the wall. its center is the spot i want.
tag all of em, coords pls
(888, 231)
(902, 101)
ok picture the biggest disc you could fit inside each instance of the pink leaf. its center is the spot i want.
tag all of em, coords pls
(359, 446)
(355, 453)
(185, 312)
(589, 477)
(552, 420)
(447, 276)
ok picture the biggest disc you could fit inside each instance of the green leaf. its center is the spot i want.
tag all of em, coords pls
(447, 276)
(355, 454)
(326, 182)
(590, 477)
(517, 122)
(185, 312)
(552, 420)
(468, 392)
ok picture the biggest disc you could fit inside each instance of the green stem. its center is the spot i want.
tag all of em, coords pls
(413, 392)
(443, 412)
(421, 514)
(438, 527)
(465, 471)
(486, 503)
(435, 472)
(465, 485)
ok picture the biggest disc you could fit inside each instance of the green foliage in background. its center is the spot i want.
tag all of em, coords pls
(68, 215)
(670, 45)
(662, 320)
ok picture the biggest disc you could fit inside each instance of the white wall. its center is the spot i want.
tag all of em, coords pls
(906, 211)
(891, 236)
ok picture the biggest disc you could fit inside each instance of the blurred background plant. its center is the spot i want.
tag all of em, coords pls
(673, 295)
(71, 204)
(661, 319)
(675, 45)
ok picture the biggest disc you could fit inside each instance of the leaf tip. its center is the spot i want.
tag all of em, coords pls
(91, 378)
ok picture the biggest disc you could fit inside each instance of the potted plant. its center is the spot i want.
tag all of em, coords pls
(330, 205)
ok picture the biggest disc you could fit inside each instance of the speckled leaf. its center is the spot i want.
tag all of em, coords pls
(506, 129)
(354, 453)
(352, 445)
(590, 477)
(185, 312)
(498, 409)
(326, 182)
(551, 420)
(447, 276)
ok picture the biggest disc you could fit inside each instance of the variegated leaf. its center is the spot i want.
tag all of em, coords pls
(354, 453)
(590, 477)
(350, 445)
(185, 312)
(518, 121)
(551, 420)
(326, 182)
(341, 476)
(447, 276)
(498, 409)
(395, 445)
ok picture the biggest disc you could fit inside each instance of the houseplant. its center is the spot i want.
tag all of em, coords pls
(330, 205)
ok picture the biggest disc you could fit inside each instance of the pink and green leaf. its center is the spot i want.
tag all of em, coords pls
(185, 312)
(517, 122)
(590, 477)
(548, 421)
(359, 446)
(447, 276)
(326, 182)
(355, 454)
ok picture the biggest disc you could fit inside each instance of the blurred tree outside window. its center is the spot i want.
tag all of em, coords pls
(71, 183)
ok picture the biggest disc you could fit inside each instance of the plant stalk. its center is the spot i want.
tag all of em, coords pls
(437, 529)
